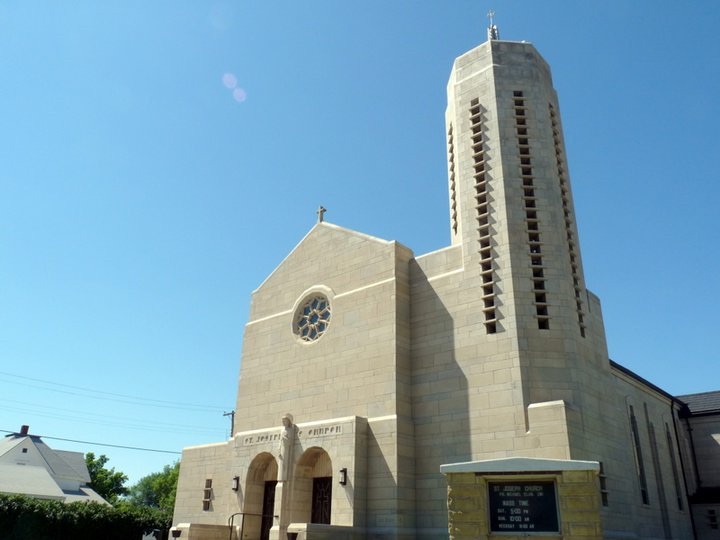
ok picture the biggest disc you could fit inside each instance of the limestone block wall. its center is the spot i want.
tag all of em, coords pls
(198, 465)
(467, 403)
(468, 392)
(352, 370)
(390, 493)
(638, 447)
(547, 435)
(343, 440)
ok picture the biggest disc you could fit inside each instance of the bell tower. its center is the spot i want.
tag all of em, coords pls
(511, 211)
(510, 197)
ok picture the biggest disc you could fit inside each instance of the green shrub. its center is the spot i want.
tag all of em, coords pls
(25, 518)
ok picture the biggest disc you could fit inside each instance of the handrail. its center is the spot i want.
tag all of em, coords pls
(231, 521)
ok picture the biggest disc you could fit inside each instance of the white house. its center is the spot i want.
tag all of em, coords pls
(30, 467)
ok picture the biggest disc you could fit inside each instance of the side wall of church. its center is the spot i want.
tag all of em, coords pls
(642, 461)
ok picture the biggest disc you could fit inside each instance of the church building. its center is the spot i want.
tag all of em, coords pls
(463, 393)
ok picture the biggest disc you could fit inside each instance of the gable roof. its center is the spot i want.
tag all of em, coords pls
(332, 226)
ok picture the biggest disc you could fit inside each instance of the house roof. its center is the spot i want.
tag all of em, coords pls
(55, 461)
(76, 461)
(85, 494)
(8, 443)
(703, 403)
(43, 472)
(29, 480)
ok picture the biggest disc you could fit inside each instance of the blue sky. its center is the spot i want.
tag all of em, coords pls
(159, 159)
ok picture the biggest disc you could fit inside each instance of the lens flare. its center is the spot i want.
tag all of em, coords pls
(239, 95)
(229, 80)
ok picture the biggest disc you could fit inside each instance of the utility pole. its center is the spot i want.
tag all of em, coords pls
(231, 414)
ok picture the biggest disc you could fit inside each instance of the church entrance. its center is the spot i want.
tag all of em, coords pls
(321, 500)
(312, 487)
(268, 509)
(259, 505)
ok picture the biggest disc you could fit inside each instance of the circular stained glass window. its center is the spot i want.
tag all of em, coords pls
(312, 318)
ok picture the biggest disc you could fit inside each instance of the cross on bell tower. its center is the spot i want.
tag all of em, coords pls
(492, 30)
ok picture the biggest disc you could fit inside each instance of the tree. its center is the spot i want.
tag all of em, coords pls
(109, 483)
(157, 490)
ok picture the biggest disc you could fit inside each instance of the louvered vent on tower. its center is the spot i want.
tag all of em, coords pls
(483, 215)
(569, 234)
(451, 176)
(532, 223)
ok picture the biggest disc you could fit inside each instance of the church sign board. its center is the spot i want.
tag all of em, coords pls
(526, 507)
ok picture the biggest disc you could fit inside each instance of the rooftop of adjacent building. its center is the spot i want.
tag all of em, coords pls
(60, 463)
(702, 403)
(52, 474)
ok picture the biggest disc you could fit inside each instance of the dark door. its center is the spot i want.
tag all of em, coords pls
(321, 497)
(268, 509)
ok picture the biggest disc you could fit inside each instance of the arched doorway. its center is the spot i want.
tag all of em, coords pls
(260, 496)
(312, 491)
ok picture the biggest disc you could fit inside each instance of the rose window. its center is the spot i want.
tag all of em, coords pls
(312, 318)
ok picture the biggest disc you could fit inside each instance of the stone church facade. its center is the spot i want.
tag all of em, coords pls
(366, 368)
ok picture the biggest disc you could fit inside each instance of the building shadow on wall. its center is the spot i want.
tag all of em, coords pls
(381, 482)
(440, 400)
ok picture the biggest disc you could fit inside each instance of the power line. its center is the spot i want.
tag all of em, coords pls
(102, 444)
(131, 401)
(136, 400)
(104, 419)
(153, 428)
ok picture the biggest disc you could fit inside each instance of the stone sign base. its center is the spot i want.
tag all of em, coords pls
(522, 497)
